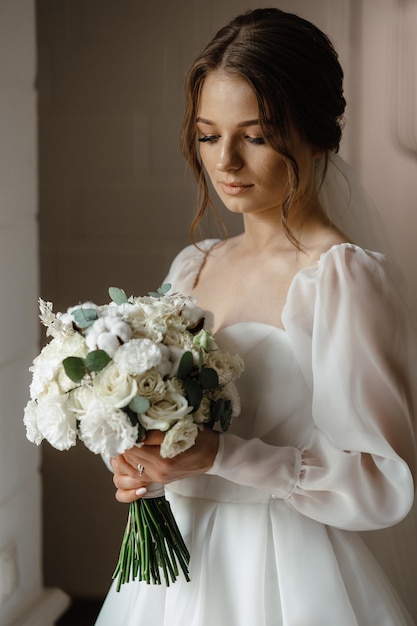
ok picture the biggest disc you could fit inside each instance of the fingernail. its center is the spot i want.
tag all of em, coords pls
(141, 491)
(140, 444)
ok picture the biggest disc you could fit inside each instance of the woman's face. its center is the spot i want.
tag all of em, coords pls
(246, 172)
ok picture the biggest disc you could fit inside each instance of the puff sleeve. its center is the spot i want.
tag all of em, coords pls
(349, 331)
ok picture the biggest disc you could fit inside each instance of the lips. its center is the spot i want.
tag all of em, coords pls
(234, 188)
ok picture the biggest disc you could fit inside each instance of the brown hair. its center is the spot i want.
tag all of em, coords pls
(295, 74)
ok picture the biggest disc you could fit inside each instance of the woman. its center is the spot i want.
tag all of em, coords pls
(324, 445)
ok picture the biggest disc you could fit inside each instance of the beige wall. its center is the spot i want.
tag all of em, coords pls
(23, 599)
(116, 202)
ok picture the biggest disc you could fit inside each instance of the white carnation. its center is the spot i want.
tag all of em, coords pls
(106, 430)
(30, 421)
(56, 423)
(47, 368)
(138, 356)
(179, 438)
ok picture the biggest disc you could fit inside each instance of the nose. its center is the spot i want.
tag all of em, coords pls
(229, 158)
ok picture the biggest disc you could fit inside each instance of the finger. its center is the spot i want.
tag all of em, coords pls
(122, 481)
(121, 465)
(129, 495)
(154, 438)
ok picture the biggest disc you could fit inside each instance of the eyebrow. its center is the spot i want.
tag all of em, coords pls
(256, 122)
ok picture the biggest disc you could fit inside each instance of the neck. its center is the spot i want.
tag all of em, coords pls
(263, 232)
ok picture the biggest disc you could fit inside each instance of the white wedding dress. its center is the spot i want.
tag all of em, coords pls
(321, 450)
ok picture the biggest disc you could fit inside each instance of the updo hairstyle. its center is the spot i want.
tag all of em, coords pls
(295, 74)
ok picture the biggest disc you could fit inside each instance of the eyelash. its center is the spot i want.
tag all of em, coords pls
(257, 141)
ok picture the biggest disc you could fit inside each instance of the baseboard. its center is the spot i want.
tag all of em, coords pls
(45, 610)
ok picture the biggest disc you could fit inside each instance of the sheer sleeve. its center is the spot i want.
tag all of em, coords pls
(186, 266)
(349, 332)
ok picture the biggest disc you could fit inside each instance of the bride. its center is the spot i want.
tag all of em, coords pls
(324, 446)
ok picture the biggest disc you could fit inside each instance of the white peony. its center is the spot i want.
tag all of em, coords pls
(138, 356)
(179, 438)
(56, 423)
(115, 386)
(106, 430)
(165, 413)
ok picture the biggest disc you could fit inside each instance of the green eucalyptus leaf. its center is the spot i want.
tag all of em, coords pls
(186, 365)
(74, 368)
(216, 409)
(161, 291)
(208, 378)
(139, 405)
(118, 295)
(84, 317)
(194, 393)
(97, 360)
(226, 417)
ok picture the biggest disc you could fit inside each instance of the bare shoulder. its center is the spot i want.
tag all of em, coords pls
(325, 239)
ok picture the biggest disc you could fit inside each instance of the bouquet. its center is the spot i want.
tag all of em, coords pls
(114, 371)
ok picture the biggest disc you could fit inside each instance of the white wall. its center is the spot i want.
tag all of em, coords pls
(22, 597)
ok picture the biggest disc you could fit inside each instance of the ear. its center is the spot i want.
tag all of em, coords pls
(316, 153)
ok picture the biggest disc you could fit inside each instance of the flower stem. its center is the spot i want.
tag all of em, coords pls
(152, 542)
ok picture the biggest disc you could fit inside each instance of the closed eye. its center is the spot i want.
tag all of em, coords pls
(259, 141)
(209, 138)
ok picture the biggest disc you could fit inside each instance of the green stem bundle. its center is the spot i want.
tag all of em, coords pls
(152, 542)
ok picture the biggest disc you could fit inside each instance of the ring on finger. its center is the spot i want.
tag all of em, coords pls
(140, 469)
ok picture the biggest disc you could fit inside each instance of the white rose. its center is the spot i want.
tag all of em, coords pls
(227, 366)
(115, 386)
(138, 356)
(56, 423)
(205, 340)
(107, 430)
(165, 413)
(151, 385)
(79, 399)
(179, 438)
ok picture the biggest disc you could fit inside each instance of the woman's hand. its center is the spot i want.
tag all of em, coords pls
(131, 484)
